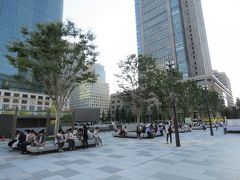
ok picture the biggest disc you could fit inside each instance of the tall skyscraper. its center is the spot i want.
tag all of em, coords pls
(174, 30)
(15, 14)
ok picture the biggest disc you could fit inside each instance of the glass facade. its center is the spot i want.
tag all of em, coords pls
(179, 39)
(160, 32)
(15, 14)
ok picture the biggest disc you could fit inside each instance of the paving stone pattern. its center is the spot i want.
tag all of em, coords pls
(200, 157)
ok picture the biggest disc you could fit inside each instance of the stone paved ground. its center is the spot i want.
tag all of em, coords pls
(201, 157)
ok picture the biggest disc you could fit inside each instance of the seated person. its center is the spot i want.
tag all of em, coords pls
(75, 132)
(123, 131)
(14, 141)
(60, 140)
(70, 139)
(149, 132)
(39, 141)
(30, 136)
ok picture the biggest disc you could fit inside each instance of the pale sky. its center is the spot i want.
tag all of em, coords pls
(113, 23)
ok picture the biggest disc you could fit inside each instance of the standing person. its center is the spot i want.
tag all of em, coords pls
(204, 127)
(216, 126)
(85, 137)
(168, 129)
(96, 136)
(138, 132)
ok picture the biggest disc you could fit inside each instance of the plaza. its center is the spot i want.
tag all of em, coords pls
(200, 157)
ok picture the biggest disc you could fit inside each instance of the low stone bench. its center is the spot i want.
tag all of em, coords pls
(197, 128)
(50, 146)
(133, 135)
(182, 130)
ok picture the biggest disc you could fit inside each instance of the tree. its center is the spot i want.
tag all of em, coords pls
(123, 115)
(117, 115)
(103, 116)
(133, 80)
(58, 65)
(215, 102)
(129, 116)
(238, 107)
(162, 88)
(108, 118)
(143, 113)
(155, 113)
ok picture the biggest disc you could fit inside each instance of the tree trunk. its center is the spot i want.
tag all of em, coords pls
(57, 122)
(138, 118)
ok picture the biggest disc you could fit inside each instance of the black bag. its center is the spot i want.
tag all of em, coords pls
(170, 129)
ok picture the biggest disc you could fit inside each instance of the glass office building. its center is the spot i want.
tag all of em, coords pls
(15, 14)
(173, 30)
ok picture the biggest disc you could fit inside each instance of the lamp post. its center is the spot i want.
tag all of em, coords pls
(170, 67)
(205, 87)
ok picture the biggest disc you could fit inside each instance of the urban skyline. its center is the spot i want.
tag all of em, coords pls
(108, 27)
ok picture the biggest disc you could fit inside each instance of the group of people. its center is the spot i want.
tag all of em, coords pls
(82, 134)
(122, 131)
(29, 137)
(151, 129)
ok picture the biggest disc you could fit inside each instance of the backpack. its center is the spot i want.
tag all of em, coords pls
(170, 129)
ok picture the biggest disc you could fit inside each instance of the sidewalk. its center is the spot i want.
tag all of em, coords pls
(200, 157)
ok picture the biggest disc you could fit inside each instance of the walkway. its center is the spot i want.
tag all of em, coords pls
(200, 157)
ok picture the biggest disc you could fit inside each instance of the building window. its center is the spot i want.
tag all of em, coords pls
(40, 97)
(23, 107)
(7, 94)
(47, 103)
(39, 102)
(118, 101)
(6, 100)
(15, 100)
(25, 96)
(16, 95)
(31, 108)
(47, 98)
(24, 101)
(39, 108)
(113, 102)
(5, 106)
(33, 97)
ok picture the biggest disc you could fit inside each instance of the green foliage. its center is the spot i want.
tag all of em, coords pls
(117, 115)
(143, 113)
(58, 65)
(155, 113)
(123, 115)
(103, 118)
(108, 118)
(134, 80)
(130, 116)
(66, 118)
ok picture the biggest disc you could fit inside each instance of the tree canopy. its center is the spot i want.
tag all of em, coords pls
(58, 65)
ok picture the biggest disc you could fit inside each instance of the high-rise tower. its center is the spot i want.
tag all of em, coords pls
(15, 14)
(174, 30)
